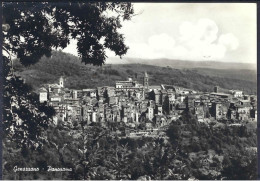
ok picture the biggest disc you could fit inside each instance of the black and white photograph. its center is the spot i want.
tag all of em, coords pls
(129, 91)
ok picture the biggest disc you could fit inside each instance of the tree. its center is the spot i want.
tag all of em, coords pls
(24, 117)
(174, 133)
(36, 28)
(241, 165)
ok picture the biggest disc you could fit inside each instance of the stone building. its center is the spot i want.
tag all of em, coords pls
(146, 81)
(43, 95)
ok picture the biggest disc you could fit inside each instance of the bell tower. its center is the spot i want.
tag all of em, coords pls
(61, 82)
(146, 81)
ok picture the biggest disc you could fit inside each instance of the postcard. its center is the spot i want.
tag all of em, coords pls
(129, 91)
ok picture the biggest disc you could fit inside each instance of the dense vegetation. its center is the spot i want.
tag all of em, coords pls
(242, 74)
(32, 30)
(189, 149)
(78, 75)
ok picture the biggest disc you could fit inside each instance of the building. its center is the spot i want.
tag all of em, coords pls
(134, 105)
(126, 85)
(43, 95)
(146, 81)
(236, 93)
(216, 89)
(220, 95)
(150, 113)
(219, 110)
(61, 82)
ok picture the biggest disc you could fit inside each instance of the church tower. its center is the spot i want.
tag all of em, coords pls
(146, 79)
(61, 82)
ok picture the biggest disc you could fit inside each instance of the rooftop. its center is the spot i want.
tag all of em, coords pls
(42, 89)
(220, 94)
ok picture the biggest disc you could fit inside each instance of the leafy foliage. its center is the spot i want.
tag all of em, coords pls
(93, 153)
(37, 27)
(24, 117)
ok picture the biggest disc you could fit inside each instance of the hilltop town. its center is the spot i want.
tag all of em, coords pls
(145, 107)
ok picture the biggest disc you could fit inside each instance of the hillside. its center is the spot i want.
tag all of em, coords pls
(242, 74)
(184, 64)
(79, 75)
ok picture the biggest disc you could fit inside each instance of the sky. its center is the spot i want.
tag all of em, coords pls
(190, 31)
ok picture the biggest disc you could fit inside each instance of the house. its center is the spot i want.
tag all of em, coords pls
(150, 113)
(154, 87)
(219, 95)
(219, 110)
(236, 93)
(43, 95)
(89, 92)
(54, 98)
(156, 96)
(199, 112)
(243, 112)
(253, 114)
(158, 110)
(126, 85)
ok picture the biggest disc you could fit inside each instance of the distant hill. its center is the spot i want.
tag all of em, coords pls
(181, 64)
(241, 74)
(79, 75)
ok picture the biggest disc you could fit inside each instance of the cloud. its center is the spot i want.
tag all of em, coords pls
(201, 37)
(195, 41)
(198, 40)
(204, 31)
(162, 42)
(202, 41)
(144, 50)
(229, 41)
(179, 52)
(157, 46)
(213, 52)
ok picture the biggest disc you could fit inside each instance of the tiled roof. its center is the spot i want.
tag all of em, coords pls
(42, 89)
